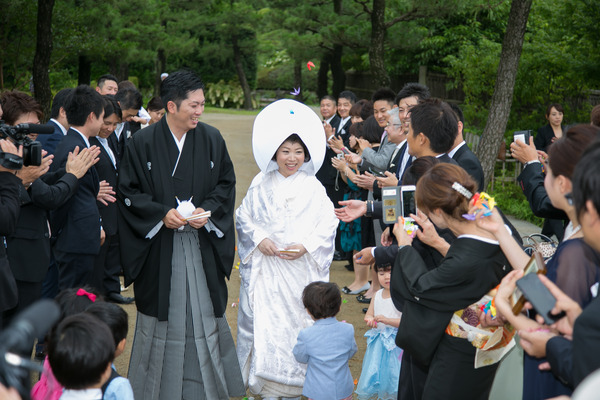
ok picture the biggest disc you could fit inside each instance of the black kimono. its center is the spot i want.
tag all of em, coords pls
(472, 267)
(146, 192)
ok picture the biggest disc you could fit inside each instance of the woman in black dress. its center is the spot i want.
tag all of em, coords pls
(473, 266)
(547, 134)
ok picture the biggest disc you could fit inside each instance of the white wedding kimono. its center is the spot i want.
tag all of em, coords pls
(288, 211)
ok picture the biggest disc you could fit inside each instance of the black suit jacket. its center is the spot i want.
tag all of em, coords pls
(107, 172)
(50, 142)
(29, 245)
(573, 360)
(9, 213)
(117, 144)
(470, 163)
(532, 184)
(76, 224)
(327, 173)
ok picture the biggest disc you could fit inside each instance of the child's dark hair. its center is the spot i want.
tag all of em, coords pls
(113, 316)
(322, 299)
(79, 351)
(382, 267)
(76, 300)
(294, 138)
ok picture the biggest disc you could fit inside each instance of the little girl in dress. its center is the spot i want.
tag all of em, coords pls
(381, 364)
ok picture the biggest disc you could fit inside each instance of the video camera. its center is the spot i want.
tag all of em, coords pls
(16, 342)
(32, 150)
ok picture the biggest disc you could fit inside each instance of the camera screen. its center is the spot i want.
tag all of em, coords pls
(408, 203)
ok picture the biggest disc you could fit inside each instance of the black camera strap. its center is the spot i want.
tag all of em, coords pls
(11, 161)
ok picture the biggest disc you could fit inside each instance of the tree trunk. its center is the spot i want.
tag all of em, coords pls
(239, 67)
(337, 71)
(161, 66)
(322, 80)
(376, 53)
(84, 74)
(298, 78)
(123, 73)
(493, 133)
(41, 60)
(338, 74)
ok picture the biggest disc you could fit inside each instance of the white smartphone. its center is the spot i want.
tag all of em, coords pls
(409, 205)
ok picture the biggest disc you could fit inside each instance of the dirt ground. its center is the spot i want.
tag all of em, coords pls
(237, 131)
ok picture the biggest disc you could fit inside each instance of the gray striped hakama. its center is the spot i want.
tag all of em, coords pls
(192, 355)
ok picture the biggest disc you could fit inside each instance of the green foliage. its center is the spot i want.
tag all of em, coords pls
(226, 95)
(512, 201)
(556, 63)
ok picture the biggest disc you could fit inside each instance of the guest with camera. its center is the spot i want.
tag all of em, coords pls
(28, 247)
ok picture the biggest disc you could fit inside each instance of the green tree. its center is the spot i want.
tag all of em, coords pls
(493, 132)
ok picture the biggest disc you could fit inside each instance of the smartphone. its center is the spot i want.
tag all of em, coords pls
(377, 172)
(409, 205)
(522, 136)
(540, 297)
(345, 150)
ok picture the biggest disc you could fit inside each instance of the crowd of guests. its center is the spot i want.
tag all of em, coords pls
(440, 297)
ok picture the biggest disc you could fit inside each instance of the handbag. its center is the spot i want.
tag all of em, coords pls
(540, 243)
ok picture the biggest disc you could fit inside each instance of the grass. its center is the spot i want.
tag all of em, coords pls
(217, 110)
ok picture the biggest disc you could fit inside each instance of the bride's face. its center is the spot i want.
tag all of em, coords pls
(289, 157)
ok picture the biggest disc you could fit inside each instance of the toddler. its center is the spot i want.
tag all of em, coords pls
(327, 375)
(381, 364)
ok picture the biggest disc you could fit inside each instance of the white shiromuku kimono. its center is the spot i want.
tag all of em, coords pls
(288, 211)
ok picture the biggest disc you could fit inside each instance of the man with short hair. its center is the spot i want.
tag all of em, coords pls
(462, 154)
(76, 224)
(432, 130)
(130, 101)
(58, 121)
(346, 100)
(179, 265)
(107, 84)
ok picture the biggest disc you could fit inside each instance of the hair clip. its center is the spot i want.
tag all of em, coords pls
(462, 190)
(83, 292)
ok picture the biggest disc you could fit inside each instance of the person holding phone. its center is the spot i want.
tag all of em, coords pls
(574, 268)
(286, 231)
(474, 264)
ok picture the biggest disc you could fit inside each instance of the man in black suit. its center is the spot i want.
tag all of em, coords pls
(130, 102)
(9, 212)
(462, 154)
(327, 175)
(28, 247)
(76, 224)
(107, 266)
(58, 121)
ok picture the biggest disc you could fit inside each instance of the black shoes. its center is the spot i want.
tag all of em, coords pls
(119, 299)
(362, 299)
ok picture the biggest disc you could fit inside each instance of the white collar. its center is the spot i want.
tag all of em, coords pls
(399, 145)
(452, 152)
(480, 238)
(83, 394)
(87, 142)
(328, 120)
(62, 128)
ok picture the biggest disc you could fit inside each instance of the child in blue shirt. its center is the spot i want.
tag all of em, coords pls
(117, 387)
(327, 346)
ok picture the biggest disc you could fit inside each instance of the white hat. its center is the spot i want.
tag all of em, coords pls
(276, 122)
(163, 76)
